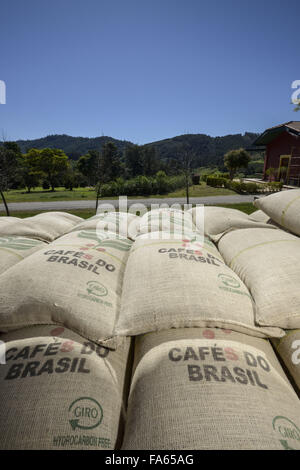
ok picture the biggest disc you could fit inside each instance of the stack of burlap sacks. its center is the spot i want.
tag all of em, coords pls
(63, 385)
(201, 373)
(205, 376)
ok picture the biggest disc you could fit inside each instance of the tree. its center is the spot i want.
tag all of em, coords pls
(88, 164)
(31, 174)
(53, 163)
(133, 160)
(235, 159)
(149, 161)
(111, 161)
(17, 176)
(13, 146)
(108, 167)
(8, 169)
(72, 177)
(185, 157)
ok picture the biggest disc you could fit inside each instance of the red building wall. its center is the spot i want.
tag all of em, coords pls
(284, 144)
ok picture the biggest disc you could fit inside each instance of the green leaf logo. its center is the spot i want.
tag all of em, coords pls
(229, 281)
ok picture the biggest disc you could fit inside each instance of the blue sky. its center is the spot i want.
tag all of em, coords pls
(144, 70)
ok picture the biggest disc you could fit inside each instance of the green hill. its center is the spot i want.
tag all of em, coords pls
(208, 150)
(74, 147)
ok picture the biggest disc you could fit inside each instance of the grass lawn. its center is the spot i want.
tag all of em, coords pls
(201, 190)
(41, 195)
(61, 194)
(246, 207)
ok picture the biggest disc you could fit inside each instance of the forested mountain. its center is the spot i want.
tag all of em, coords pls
(74, 147)
(208, 150)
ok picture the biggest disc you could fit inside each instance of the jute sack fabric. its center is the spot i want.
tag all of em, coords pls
(268, 262)
(4, 220)
(193, 237)
(45, 226)
(123, 224)
(176, 284)
(75, 281)
(220, 219)
(60, 391)
(166, 220)
(15, 249)
(283, 208)
(288, 348)
(209, 389)
(260, 216)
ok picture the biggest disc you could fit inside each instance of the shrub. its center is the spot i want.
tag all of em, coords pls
(175, 182)
(234, 186)
(161, 179)
(129, 188)
(251, 188)
(275, 186)
(120, 185)
(242, 188)
(209, 172)
(216, 181)
(106, 190)
(143, 185)
(271, 173)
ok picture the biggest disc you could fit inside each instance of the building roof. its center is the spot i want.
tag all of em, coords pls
(292, 127)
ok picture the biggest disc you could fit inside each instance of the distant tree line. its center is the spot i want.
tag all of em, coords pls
(105, 170)
(111, 171)
(207, 150)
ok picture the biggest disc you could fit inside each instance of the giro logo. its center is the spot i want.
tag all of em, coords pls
(229, 281)
(85, 413)
(95, 288)
(288, 432)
